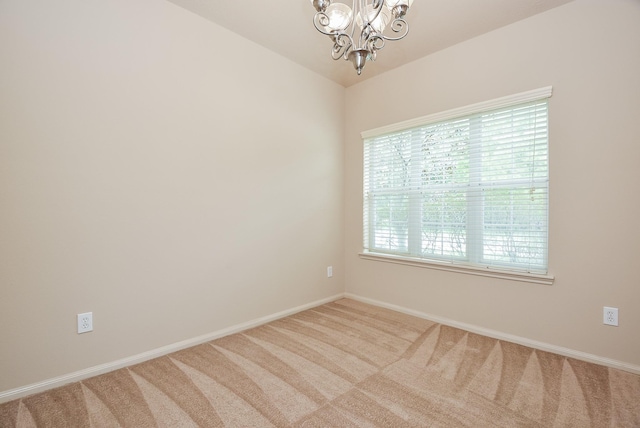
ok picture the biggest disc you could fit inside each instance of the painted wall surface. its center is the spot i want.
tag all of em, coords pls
(589, 51)
(159, 171)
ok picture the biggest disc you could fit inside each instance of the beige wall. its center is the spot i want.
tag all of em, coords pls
(589, 51)
(160, 171)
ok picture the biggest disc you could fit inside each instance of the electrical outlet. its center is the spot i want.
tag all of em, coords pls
(610, 316)
(85, 322)
(329, 271)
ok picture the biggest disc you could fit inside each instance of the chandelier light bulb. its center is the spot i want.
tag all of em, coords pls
(378, 23)
(399, 7)
(340, 16)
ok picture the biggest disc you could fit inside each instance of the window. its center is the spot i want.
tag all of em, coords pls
(467, 187)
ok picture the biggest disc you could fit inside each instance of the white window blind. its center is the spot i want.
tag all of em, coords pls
(469, 190)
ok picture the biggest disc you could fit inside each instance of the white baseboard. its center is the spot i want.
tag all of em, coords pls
(34, 388)
(579, 355)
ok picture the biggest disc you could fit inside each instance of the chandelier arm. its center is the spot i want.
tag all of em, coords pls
(352, 23)
(374, 44)
(376, 9)
(399, 25)
(363, 38)
(320, 21)
(341, 46)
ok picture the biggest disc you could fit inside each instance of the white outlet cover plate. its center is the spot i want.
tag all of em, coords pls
(85, 322)
(610, 316)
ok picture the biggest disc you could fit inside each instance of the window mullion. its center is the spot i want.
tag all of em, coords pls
(475, 192)
(415, 198)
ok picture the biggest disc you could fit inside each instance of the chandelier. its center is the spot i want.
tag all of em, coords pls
(358, 32)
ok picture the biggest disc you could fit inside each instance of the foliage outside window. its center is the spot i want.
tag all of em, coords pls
(469, 190)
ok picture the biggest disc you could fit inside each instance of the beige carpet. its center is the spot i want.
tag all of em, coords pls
(344, 364)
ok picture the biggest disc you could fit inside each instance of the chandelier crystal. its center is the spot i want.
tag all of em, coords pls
(358, 32)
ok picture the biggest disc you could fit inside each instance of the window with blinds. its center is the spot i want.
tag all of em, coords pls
(469, 190)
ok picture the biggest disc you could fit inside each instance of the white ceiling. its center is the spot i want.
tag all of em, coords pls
(286, 27)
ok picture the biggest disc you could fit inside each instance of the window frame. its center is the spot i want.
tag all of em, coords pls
(450, 264)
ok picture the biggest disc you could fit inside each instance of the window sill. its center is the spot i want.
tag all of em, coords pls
(449, 267)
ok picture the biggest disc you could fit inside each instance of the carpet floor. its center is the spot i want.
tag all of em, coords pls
(344, 364)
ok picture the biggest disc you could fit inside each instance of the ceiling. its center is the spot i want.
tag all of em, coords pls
(286, 27)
